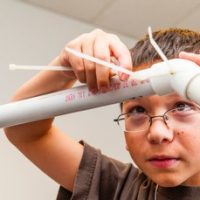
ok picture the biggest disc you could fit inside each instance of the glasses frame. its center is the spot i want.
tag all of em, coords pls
(151, 117)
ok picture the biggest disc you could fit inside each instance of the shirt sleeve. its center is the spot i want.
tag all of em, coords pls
(98, 177)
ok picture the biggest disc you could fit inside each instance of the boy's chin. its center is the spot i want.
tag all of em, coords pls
(167, 181)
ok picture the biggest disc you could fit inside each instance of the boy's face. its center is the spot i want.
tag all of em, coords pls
(169, 155)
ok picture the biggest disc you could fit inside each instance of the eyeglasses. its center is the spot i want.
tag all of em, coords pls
(139, 120)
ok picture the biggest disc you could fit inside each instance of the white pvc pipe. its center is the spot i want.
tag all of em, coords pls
(71, 100)
(193, 89)
(185, 80)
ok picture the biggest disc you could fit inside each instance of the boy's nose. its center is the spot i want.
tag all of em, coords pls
(159, 132)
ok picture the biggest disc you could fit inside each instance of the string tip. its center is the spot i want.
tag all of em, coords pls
(12, 66)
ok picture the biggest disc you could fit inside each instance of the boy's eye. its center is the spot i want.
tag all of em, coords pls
(182, 106)
(137, 110)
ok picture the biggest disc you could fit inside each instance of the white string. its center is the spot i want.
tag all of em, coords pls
(155, 192)
(78, 54)
(159, 51)
(156, 47)
(38, 67)
(141, 75)
(101, 62)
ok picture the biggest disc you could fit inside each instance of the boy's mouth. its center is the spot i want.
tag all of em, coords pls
(163, 161)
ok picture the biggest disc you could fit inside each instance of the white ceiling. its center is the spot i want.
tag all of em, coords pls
(128, 17)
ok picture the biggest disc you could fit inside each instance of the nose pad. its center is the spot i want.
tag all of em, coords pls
(159, 132)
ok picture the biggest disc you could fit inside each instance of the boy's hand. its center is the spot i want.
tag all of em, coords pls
(190, 56)
(97, 43)
(44, 144)
(101, 45)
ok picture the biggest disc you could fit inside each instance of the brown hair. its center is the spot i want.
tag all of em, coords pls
(172, 41)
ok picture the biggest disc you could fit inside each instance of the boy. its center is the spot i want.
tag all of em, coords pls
(161, 132)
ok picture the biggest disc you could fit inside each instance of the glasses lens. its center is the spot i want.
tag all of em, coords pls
(182, 116)
(129, 122)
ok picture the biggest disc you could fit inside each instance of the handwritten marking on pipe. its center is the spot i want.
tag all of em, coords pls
(115, 85)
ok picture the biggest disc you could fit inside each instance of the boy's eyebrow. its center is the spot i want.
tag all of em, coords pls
(133, 99)
(175, 96)
(171, 96)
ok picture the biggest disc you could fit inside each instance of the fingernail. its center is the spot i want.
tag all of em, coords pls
(124, 77)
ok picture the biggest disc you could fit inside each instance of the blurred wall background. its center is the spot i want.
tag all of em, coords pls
(32, 35)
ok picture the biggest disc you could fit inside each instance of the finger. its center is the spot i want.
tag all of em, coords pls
(77, 63)
(121, 53)
(90, 70)
(115, 62)
(64, 56)
(190, 56)
(101, 51)
(62, 60)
